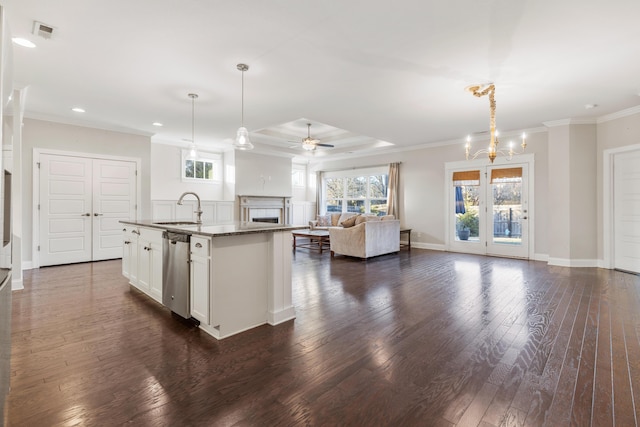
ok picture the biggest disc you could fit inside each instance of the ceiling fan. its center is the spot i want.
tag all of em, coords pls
(311, 144)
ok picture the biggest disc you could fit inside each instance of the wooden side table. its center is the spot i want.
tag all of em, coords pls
(406, 231)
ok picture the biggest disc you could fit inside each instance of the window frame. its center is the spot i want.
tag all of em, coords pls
(345, 175)
(202, 156)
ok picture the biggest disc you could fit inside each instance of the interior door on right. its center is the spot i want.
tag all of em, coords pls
(626, 206)
(507, 216)
(114, 199)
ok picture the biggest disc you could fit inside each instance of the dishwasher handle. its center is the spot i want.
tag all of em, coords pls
(176, 237)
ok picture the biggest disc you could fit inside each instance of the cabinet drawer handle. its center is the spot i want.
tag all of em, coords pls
(126, 242)
(198, 245)
(135, 232)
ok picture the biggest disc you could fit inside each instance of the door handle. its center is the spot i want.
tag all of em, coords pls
(85, 214)
(97, 214)
(524, 217)
(135, 232)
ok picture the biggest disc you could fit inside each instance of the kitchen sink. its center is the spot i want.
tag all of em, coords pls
(176, 223)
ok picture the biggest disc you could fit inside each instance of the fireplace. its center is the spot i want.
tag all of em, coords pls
(269, 219)
(273, 209)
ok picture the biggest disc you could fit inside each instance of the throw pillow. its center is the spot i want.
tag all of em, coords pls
(388, 217)
(324, 220)
(344, 216)
(360, 219)
(350, 222)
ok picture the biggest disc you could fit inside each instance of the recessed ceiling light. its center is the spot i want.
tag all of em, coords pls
(23, 42)
(78, 109)
(158, 124)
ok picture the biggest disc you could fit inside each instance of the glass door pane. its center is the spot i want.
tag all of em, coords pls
(507, 226)
(467, 210)
(507, 211)
(467, 213)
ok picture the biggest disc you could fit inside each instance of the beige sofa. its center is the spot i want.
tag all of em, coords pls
(367, 239)
(324, 222)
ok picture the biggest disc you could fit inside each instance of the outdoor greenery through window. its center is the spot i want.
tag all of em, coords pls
(366, 193)
(201, 169)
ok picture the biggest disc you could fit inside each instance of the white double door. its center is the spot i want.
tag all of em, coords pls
(81, 203)
(497, 199)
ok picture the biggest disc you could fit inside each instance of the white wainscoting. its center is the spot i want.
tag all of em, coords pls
(302, 212)
(213, 211)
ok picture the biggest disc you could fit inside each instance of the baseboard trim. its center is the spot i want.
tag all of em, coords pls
(27, 265)
(564, 262)
(281, 316)
(17, 285)
(430, 246)
(540, 257)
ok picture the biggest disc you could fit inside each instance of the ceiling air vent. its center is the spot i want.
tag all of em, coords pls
(42, 30)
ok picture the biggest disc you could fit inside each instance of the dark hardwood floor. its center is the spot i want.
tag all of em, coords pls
(417, 338)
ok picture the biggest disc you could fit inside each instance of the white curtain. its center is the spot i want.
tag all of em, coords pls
(319, 176)
(393, 204)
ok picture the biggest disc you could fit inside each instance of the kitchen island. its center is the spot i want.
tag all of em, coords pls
(240, 273)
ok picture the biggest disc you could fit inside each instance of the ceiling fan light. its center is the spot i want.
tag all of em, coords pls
(308, 145)
(242, 141)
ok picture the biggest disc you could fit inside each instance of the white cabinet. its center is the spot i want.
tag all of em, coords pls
(142, 259)
(130, 253)
(200, 287)
(150, 263)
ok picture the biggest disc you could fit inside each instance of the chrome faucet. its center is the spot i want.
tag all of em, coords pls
(199, 211)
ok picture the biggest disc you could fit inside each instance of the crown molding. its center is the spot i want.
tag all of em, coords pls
(567, 122)
(619, 114)
(85, 124)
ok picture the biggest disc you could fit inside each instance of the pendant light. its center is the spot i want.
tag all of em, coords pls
(193, 151)
(242, 141)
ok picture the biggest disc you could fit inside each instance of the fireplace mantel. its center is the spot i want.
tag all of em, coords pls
(265, 206)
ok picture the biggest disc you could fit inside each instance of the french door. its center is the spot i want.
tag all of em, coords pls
(489, 210)
(81, 201)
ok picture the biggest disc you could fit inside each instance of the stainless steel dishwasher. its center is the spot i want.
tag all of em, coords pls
(175, 272)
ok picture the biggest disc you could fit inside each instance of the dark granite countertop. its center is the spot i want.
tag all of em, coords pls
(216, 230)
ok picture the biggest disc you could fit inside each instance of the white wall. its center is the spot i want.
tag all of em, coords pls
(421, 175)
(262, 175)
(583, 195)
(422, 195)
(615, 131)
(57, 136)
(166, 176)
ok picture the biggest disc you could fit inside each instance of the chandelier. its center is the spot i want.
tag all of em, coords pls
(493, 150)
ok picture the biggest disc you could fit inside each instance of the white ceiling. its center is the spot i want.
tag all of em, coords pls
(369, 75)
